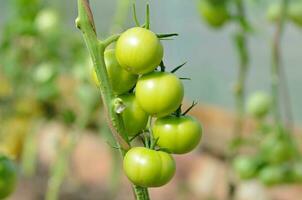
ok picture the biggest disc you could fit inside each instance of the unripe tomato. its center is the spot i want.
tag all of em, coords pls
(148, 168)
(159, 93)
(177, 134)
(274, 12)
(214, 13)
(121, 80)
(134, 117)
(8, 176)
(271, 175)
(47, 21)
(139, 51)
(276, 150)
(259, 104)
(45, 72)
(246, 167)
(295, 12)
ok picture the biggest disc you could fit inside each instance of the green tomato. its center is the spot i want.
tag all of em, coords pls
(276, 150)
(148, 168)
(178, 135)
(271, 175)
(8, 177)
(246, 167)
(295, 12)
(274, 12)
(121, 80)
(139, 51)
(259, 104)
(45, 72)
(214, 13)
(134, 117)
(159, 93)
(47, 21)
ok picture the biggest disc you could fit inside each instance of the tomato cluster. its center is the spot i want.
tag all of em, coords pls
(8, 176)
(277, 158)
(275, 162)
(137, 77)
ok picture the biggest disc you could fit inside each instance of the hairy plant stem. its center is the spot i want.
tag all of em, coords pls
(240, 86)
(96, 49)
(141, 193)
(276, 70)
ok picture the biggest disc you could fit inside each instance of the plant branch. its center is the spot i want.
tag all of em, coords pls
(110, 39)
(277, 69)
(96, 49)
(240, 86)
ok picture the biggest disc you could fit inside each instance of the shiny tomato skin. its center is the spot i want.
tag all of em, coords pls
(177, 135)
(134, 117)
(8, 176)
(159, 93)
(121, 80)
(148, 168)
(139, 51)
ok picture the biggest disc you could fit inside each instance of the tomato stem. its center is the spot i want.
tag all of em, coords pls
(141, 193)
(96, 49)
(242, 49)
(147, 17)
(110, 40)
(277, 69)
(135, 15)
(162, 66)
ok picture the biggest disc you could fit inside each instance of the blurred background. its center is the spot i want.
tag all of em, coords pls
(51, 116)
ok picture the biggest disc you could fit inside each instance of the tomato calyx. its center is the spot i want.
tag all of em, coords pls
(148, 140)
(179, 113)
(163, 36)
(190, 108)
(178, 67)
(162, 66)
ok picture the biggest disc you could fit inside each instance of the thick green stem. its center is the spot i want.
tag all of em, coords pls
(141, 193)
(96, 49)
(276, 62)
(240, 86)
